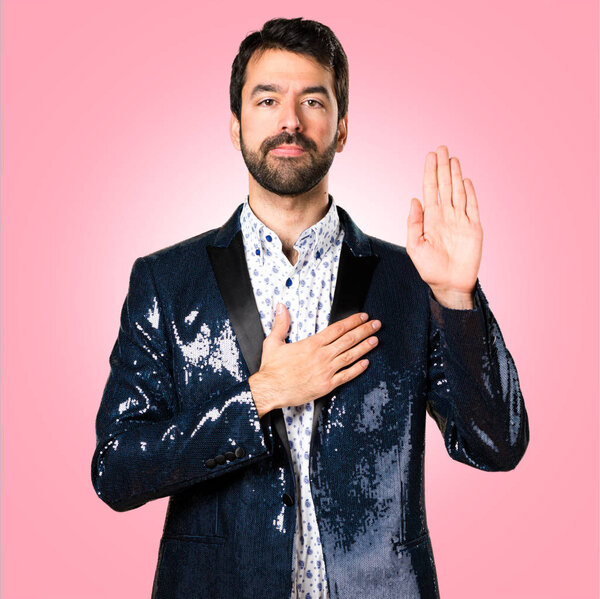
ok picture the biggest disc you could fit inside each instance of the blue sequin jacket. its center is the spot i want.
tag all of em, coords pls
(177, 419)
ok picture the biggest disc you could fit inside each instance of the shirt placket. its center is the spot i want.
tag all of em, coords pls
(286, 279)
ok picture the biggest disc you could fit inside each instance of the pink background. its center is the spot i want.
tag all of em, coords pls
(115, 144)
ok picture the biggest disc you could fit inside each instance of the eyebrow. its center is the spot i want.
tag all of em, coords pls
(269, 87)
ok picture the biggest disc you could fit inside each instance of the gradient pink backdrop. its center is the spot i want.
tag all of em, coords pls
(115, 144)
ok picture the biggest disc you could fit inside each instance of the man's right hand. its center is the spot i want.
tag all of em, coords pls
(292, 374)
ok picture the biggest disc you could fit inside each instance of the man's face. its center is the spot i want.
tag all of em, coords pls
(289, 132)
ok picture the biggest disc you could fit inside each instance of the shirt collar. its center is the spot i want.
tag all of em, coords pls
(315, 240)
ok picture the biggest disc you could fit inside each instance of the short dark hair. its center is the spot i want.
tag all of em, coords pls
(294, 35)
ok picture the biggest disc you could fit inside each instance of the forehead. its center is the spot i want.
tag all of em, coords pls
(285, 68)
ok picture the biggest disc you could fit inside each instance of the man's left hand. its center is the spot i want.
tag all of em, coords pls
(445, 239)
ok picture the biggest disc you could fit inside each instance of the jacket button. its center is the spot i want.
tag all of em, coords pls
(220, 459)
(210, 463)
(230, 456)
(288, 499)
(240, 452)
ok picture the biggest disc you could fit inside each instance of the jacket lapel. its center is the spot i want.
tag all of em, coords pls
(231, 271)
(353, 281)
(355, 270)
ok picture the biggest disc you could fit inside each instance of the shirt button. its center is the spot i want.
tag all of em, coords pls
(240, 452)
(287, 499)
(288, 283)
(220, 459)
(229, 456)
(210, 463)
(269, 238)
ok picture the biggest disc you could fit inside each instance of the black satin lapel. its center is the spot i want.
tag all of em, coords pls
(276, 418)
(353, 281)
(231, 271)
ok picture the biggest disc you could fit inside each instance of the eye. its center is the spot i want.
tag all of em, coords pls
(313, 103)
(264, 102)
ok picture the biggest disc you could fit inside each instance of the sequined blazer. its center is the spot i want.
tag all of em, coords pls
(177, 419)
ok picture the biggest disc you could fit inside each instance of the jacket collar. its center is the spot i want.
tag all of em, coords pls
(354, 238)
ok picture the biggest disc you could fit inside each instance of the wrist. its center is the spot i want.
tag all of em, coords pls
(261, 394)
(454, 299)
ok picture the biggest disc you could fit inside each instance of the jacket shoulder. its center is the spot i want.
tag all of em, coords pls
(191, 245)
(176, 265)
(386, 247)
(193, 249)
(387, 250)
(395, 261)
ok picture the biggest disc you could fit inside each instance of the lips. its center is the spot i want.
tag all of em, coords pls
(287, 150)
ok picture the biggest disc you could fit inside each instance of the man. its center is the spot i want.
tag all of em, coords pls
(273, 375)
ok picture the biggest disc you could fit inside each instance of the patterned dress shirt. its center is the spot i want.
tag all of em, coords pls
(306, 289)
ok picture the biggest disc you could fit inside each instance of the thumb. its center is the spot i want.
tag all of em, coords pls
(281, 324)
(415, 223)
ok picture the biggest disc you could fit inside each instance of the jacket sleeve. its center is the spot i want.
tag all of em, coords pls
(146, 446)
(473, 387)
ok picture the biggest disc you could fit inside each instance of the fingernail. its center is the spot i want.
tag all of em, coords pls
(376, 324)
(373, 340)
(364, 317)
(278, 308)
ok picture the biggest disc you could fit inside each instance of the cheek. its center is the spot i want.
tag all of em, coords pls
(320, 130)
(256, 130)
(326, 127)
(328, 134)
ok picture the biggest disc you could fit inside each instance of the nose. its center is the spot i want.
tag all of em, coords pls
(289, 119)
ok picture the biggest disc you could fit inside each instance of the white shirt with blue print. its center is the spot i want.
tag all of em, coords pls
(306, 289)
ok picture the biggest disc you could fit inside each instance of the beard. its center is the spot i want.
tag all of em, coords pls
(288, 175)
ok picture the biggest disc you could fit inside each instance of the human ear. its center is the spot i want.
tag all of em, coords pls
(342, 129)
(234, 131)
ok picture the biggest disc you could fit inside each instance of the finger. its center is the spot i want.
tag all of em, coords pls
(459, 197)
(351, 338)
(430, 186)
(415, 224)
(350, 356)
(444, 178)
(281, 324)
(347, 374)
(472, 206)
(339, 328)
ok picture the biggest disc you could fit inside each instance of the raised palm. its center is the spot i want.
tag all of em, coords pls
(445, 238)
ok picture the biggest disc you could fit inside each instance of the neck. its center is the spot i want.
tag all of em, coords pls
(288, 216)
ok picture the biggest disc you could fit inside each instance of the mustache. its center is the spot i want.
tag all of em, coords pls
(297, 139)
